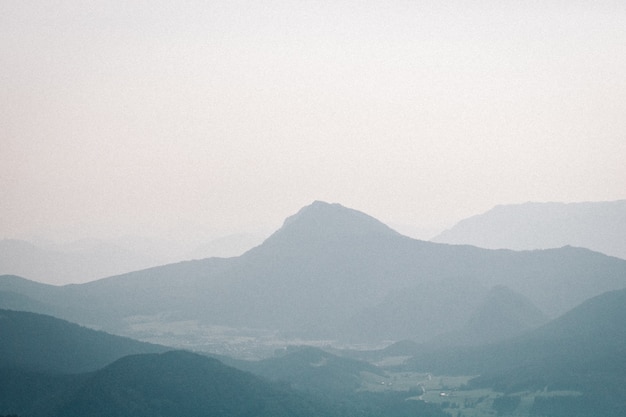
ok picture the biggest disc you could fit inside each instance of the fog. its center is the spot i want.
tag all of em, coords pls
(190, 120)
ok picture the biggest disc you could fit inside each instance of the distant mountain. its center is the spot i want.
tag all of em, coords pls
(503, 314)
(334, 273)
(599, 226)
(89, 259)
(81, 262)
(226, 246)
(589, 339)
(44, 343)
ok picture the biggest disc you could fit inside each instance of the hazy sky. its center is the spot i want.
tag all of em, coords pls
(155, 117)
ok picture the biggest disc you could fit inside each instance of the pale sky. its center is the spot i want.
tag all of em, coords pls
(183, 117)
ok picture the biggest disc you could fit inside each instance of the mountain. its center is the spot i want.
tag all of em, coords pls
(599, 226)
(583, 351)
(89, 259)
(181, 384)
(576, 364)
(591, 333)
(79, 262)
(503, 314)
(174, 383)
(331, 272)
(44, 343)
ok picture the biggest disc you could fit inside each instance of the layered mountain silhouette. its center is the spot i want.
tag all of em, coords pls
(174, 383)
(591, 333)
(43, 343)
(599, 226)
(502, 315)
(334, 272)
(81, 262)
(181, 384)
(41, 355)
(583, 351)
(89, 259)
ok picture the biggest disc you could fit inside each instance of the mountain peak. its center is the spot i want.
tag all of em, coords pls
(324, 220)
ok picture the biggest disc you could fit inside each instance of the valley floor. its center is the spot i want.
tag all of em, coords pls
(456, 399)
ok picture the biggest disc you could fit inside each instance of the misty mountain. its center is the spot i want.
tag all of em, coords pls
(81, 261)
(591, 333)
(334, 272)
(584, 351)
(503, 314)
(599, 226)
(226, 246)
(44, 343)
(89, 259)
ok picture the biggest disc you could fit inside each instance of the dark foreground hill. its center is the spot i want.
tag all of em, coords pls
(599, 226)
(175, 383)
(183, 384)
(335, 273)
(41, 356)
(43, 343)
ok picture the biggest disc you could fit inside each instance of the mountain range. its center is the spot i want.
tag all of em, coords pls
(599, 226)
(334, 273)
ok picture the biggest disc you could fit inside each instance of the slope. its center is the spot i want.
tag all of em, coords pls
(182, 384)
(593, 332)
(82, 262)
(503, 314)
(44, 343)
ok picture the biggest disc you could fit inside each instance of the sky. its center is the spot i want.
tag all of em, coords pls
(189, 118)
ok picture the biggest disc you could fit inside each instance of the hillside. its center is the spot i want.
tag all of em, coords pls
(181, 384)
(502, 314)
(44, 343)
(590, 333)
(185, 384)
(311, 369)
(583, 351)
(599, 226)
(334, 273)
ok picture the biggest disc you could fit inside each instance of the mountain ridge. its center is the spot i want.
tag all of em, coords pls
(599, 226)
(365, 282)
